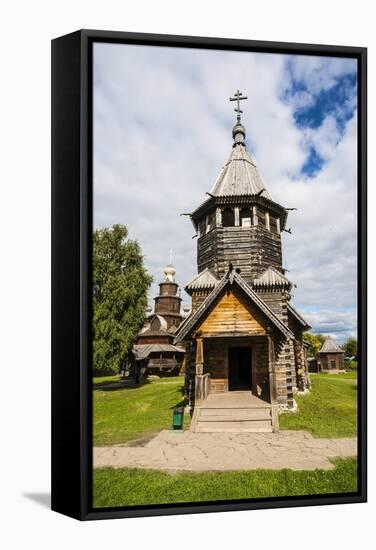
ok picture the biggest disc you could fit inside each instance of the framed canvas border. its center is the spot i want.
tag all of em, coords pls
(72, 213)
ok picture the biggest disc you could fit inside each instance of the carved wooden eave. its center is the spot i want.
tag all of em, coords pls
(230, 279)
(204, 280)
(238, 200)
(272, 278)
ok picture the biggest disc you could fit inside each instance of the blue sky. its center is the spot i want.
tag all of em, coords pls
(162, 132)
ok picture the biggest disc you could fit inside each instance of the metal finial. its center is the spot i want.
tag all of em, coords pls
(238, 96)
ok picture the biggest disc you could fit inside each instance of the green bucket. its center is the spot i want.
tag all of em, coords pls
(177, 418)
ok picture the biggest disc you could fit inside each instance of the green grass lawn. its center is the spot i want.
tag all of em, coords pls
(351, 375)
(123, 414)
(330, 410)
(103, 380)
(127, 487)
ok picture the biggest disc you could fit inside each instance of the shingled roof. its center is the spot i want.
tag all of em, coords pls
(229, 279)
(271, 277)
(205, 279)
(329, 346)
(239, 176)
(142, 351)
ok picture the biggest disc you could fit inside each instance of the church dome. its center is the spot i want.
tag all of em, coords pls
(169, 272)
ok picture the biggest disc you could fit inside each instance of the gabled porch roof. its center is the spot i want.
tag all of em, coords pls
(230, 279)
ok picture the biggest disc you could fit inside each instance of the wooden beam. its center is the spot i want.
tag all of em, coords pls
(218, 217)
(272, 373)
(254, 215)
(267, 221)
(199, 356)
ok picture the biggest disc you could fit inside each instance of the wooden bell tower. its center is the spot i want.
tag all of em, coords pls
(239, 222)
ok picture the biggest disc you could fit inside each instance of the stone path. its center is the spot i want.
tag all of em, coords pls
(188, 451)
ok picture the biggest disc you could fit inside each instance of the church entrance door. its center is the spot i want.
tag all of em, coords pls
(239, 369)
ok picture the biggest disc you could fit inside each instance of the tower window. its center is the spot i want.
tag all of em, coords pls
(245, 217)
(228, 217)
(273, 224)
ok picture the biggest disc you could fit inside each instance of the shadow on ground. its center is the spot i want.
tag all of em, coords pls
(114, 386)
(43, 499)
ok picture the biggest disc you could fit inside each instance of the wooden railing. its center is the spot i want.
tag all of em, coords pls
(203, 386)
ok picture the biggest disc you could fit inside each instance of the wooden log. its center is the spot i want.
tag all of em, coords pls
(199, 356)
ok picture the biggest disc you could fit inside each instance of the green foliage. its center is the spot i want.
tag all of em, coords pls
(330, 410)
(351, 365)
(128, 413)
(314, 341)
(130, 487)
(120, 284)
(350, 347)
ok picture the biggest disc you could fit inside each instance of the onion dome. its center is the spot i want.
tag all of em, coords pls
(169, 272)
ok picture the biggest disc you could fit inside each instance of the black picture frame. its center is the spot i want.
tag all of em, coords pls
(72, 199)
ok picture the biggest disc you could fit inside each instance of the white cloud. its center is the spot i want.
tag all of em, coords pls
(339, 324)
(324, 138)
(163, 131)
(319, 73)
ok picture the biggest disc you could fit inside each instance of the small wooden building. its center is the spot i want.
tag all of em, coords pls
(330, 358)
(243, 335)
(155, 342)
(313, 365)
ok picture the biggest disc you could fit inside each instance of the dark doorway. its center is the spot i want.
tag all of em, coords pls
(239, 369)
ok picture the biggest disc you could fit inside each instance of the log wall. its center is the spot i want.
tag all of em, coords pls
(216, 352)
(252, 249)
(326, 360)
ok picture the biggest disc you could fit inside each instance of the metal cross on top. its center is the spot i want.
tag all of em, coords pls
(238, 97)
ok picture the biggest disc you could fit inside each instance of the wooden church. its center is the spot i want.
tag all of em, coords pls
(154, 348)
(244, 339)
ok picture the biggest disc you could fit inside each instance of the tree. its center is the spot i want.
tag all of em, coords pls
(350, 347)
(314, 341)
(120, 284)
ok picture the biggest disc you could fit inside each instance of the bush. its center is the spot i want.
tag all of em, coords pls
(351, 365)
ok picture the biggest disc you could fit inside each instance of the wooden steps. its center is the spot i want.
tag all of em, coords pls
(234, 419)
